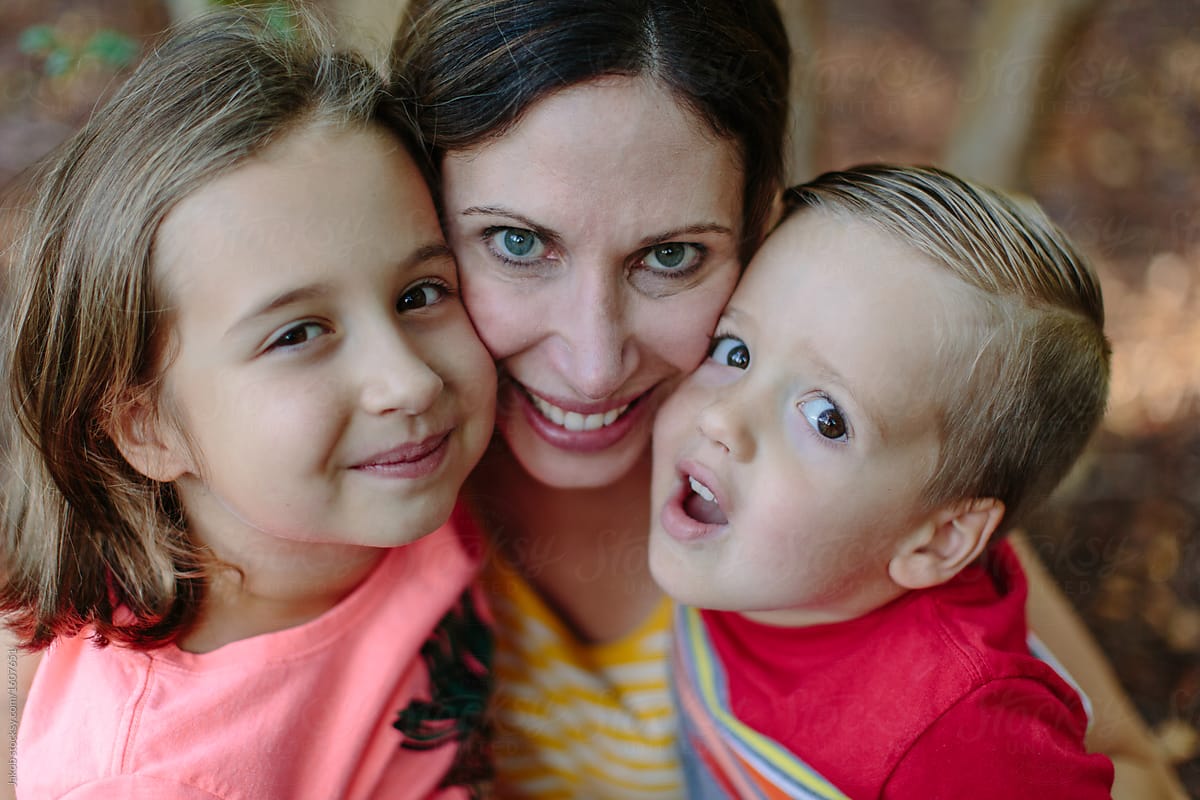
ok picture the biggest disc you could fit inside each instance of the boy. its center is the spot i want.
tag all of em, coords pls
(910, 363)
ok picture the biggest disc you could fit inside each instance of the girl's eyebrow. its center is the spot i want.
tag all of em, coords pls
(430, 251)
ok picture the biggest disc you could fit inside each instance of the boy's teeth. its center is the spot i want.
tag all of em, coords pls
(702, 490)
(573, 420)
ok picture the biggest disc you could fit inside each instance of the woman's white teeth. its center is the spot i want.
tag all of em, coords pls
(702, 490)
(573, 420)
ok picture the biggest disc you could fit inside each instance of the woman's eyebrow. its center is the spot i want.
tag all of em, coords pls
(686, 230)
(500, 211)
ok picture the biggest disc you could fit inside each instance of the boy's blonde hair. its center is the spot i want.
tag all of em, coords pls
(84, 534)
(1023, 395)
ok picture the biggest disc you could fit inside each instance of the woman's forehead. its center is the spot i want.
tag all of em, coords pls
(617, 151)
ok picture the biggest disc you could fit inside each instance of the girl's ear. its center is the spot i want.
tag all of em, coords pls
(949, 540)
(150, 445)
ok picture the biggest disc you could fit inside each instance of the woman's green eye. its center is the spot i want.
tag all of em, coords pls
(672, 256)
(518, 243)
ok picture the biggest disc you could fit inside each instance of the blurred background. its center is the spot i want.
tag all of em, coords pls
(1090, 106)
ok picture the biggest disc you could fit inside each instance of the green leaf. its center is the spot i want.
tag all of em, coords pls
(37, 40)
(112, 48)
(59, 62)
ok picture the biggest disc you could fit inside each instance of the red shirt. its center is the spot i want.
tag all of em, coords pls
(933, 695)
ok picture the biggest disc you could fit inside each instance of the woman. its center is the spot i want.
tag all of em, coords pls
(607, 166)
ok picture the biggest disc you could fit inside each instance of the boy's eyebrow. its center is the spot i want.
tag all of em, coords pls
(733, 313)
(827, 372)
(420, 255)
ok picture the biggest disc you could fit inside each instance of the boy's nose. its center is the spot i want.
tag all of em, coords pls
(722, 423)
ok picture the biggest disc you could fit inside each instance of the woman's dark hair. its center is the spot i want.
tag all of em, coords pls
(476, 66)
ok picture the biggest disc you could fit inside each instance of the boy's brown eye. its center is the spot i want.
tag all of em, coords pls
(824, 417)
(730, 351)
(830, 425)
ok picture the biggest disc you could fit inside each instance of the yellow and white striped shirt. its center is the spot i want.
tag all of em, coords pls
(573, 719)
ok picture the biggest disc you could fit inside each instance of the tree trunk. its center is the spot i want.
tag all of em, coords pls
(804, 21)
(1019, 53)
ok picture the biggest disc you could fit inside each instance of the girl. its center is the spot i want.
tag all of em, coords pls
(243, 380)
(606, 167)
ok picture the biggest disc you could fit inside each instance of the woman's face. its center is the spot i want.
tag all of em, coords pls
(597, 242)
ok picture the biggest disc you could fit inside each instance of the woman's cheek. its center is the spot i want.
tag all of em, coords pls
(685, 329)
(495, 311)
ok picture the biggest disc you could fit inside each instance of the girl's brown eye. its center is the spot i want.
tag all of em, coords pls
(298, 335)
(420, 296)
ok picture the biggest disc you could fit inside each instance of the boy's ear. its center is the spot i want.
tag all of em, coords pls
(145, 440)
(949, 540)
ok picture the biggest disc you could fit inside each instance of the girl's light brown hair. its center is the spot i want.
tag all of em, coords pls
(1026, 381)
(84, 534)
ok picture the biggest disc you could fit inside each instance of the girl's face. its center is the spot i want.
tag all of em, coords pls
(323, 381)
(597, 241)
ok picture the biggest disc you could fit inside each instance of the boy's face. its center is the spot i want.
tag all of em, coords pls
(811, 428)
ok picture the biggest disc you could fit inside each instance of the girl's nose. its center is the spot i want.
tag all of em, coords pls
(398, 379)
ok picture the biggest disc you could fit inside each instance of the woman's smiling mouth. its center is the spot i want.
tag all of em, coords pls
(574, 420)
(583, 428)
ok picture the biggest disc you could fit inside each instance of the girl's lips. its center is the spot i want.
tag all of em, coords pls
(412, 460)
(581, 441)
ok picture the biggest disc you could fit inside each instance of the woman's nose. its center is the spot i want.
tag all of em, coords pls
(597, 346)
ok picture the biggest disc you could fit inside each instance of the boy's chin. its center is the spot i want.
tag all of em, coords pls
(672, 574)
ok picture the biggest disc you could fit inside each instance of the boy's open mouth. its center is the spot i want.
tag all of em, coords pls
(701, 504)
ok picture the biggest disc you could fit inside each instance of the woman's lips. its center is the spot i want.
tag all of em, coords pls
(583, 428)
(411, 460)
